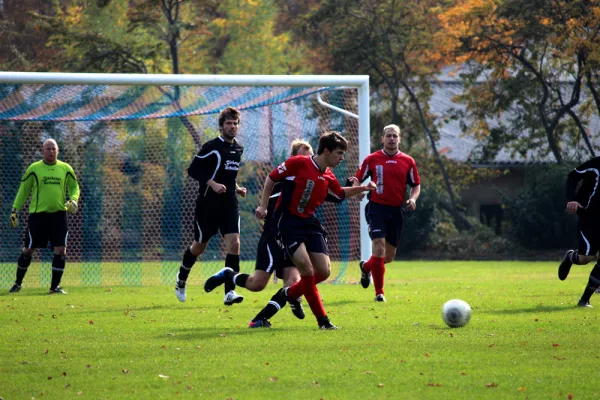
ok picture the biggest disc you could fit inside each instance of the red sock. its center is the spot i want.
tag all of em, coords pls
(378, 273)
(296, 290)
(368, 266)
(311, 293)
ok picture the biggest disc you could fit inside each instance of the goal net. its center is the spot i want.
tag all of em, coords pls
(130, 146)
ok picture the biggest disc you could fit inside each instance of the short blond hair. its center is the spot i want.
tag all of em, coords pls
(297, 144)
(392, 127)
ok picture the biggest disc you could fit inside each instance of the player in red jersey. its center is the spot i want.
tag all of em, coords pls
(391, 170)
(307, 181)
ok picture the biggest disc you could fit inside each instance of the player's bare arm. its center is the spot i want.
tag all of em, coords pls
(354, 190)
(261, 210)
(411, 203)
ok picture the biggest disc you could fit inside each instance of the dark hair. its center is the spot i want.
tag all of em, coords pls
(228, 113)
(332, 140)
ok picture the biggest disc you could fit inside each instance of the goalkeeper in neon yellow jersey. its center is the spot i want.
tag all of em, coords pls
(47, 182)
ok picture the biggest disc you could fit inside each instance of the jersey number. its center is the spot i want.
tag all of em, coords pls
(310, 185)
(379, 172)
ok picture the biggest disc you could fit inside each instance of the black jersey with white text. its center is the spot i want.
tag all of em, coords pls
(587, 194)
(218, 160)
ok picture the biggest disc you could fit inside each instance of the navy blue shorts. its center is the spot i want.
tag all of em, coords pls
(385, 222)
(46, 227)
(294, 230)
(208, 220)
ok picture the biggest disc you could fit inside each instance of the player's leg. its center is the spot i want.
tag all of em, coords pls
(34, 237)
(393, 229)
(58, 233)
(232, 261)
(376, 221)
(22, 266)
(291, 275)
(314, 266)
(267, 252)
(270, 257)
(203, 231)
(276, 303)
(579, 256)
(588, 253)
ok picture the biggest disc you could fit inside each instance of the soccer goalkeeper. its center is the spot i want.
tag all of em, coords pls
(47, 181)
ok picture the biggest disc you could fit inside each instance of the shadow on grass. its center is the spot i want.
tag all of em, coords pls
(536, 309)
(337, 302)
(215, 333)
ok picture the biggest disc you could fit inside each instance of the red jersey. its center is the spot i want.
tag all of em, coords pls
(305, 186)
(391, 174)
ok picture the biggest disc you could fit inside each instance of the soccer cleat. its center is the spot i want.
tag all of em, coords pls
(582, 303)
(297, 309)
(365, 278)
(325, 324)
(217, 279)
(261, 323)
(15, 288)
(565, 266)
(180, 291)
(57, 290)
(232, 297)
(380, 298)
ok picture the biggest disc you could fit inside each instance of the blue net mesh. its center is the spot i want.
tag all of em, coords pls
(130, 147)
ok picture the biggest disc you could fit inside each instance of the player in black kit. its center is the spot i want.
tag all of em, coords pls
(585, 202)
(215, 168)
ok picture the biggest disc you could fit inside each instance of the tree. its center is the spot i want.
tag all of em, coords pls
(532, 56)
(393, 42)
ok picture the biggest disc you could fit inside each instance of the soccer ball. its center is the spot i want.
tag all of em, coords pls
(456, 313)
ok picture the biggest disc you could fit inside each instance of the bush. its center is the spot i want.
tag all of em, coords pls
(537, 214)
(419, 224)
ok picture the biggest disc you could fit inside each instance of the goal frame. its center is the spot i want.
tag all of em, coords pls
(360, 82)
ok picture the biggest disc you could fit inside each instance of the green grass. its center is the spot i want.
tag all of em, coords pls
(525, 340)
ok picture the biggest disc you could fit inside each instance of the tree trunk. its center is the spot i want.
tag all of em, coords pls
(460, 222)
(583, 132)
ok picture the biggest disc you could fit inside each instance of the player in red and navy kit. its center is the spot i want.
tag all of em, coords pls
(307, 182)
(391, 170)
(215, 168)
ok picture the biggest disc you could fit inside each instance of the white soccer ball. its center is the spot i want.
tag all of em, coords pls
(456, 313)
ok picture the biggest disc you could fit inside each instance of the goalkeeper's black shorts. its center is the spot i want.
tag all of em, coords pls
(44, 228)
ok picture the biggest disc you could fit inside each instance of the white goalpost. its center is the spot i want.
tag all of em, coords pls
(130, 136)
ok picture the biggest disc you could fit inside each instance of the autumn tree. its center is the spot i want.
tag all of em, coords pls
(526, 57)
(392, 41)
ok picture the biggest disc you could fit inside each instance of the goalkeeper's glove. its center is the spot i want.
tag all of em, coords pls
(72, 206)
(14, 218)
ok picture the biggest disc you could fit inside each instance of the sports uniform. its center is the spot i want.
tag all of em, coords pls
(218, 160)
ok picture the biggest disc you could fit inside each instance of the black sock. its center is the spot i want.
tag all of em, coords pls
(240, 279)
(58, 267)
(575, 257)
(22, 266)
(232, 261)
(186, 265)
(593, 283)
(275, 304)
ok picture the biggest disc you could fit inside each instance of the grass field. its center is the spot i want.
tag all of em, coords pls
(526, 339)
